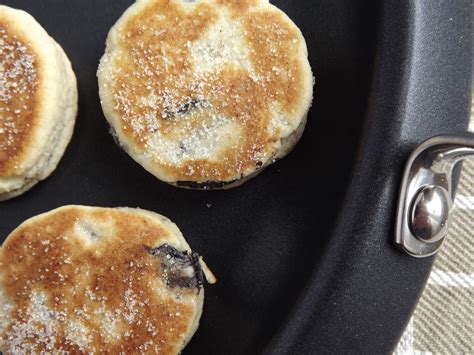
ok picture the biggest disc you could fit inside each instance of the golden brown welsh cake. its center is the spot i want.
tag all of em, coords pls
(90, 280)
(205, 94)
(38, 102)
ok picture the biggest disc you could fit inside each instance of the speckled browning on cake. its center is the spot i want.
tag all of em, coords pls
(206, 91)
(82, 281)
(18, 82)
(38, 102)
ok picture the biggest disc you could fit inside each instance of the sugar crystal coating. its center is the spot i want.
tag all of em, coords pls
(205, 91)
(18, 81)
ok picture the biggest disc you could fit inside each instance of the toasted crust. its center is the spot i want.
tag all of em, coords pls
(205, 91)
(19, 97)
(82, 279)
(38, 102)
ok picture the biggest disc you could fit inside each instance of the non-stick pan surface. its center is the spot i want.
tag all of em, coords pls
(303, 252)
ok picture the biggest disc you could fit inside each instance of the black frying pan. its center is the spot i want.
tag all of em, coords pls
(304, 252)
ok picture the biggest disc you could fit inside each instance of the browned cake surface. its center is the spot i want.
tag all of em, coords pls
(106, 296)
(156, 64)
(19, 78)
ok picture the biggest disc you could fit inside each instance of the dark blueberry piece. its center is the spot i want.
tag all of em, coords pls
(208, 185)
(174, 264)
(183, 147)
(199, 273)
(183, 109)
(186, 107)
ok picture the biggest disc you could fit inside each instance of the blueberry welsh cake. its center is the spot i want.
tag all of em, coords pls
(207, 93)
(99, 280)
(38, 102)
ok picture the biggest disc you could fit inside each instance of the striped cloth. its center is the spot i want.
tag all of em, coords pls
(443, 322)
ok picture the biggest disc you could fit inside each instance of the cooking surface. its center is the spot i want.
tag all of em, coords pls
(268, 241)
(261, 239)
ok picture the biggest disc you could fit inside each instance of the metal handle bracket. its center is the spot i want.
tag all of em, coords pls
(426, 195)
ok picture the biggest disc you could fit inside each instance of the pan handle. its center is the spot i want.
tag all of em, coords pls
(426, 195)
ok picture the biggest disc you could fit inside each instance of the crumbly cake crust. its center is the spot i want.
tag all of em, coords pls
(82, 279)
(205, 91)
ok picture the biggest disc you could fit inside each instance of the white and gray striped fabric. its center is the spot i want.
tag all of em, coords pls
(443, 322)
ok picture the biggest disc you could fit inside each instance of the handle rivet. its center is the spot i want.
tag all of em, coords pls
(430, 213)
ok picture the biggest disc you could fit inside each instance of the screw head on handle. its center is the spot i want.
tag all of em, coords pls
(429, 213)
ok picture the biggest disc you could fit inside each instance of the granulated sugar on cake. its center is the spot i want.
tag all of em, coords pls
(92, 280)
(205, 94)
(38, 102)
